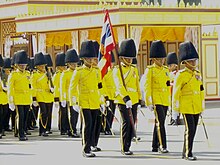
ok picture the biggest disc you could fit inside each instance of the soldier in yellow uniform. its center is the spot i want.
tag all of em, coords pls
(3, 98)
(13, 113)
(157, 94)
(63, 113)
(110, 89)
(188, 95)
(49, 70)
(41, 92)
(129, 97)
(7, 112)
(84, 91)
(71, 60)
(19, 92)
(172, 63)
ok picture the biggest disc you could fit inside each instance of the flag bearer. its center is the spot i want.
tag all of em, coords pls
(127, 97)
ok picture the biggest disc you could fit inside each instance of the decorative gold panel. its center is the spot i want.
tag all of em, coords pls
(7, 28)
(211, 88)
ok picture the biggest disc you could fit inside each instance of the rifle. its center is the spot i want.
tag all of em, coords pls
(3, 77)
(49, 76)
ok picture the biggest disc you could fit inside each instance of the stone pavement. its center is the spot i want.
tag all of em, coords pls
(60, 150)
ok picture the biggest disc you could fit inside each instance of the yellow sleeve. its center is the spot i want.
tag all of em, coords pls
(10, 92)
(120, 89)
(101, 88)
(73, 88)
(56, 83)
(177, 86)
(147, 87)
(63, 92)
(138, 84)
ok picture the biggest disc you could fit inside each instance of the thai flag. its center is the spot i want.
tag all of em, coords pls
(107, 44)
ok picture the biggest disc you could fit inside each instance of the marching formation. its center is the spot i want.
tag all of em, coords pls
(30, 88)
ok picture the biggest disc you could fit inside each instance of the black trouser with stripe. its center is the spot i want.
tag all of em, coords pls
(127, 130)
(64, 121)
(98, 127)
(7, 113)
(2, 117)
(22, 116)
(73, 120)
(159, 134)
(50, 112)
(191, 122)
(45, 109)
(110, 115)
(89, 126)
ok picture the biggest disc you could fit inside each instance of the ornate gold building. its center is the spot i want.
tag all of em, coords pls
(55, 25)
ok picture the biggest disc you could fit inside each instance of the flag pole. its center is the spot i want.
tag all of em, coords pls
(115, 53)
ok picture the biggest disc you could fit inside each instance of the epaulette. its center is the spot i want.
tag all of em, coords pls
(165, 67)
(182, 70)
(197, 71)
(79, 68)
(150, 66)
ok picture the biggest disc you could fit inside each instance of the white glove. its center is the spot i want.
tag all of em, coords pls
(63, 103)
(56, 104)
(35, 104)
(76, 108)
(107, 103)
(203, 105)
(175, 114)
(102, 108)
(128, 104)
(12, 106)
(52, 89)
(150, 107)
(74, 100)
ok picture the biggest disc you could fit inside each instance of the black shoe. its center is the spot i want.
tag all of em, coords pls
(134, 140)
(0, 136)
(30, 128)
(155, 150)
(163, 150)
(27, 133)
(23, 138)
(49, 132)
(190, 158)
(108, 133)
(89, 154)
(8, 130)
(74, 135)
(43, 134)
(63, 133)
(95, 149)
(127, 152)
(3, 133)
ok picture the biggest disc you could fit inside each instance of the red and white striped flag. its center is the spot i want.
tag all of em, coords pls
(107, 44)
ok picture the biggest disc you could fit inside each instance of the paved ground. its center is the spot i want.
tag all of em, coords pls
(57, 149)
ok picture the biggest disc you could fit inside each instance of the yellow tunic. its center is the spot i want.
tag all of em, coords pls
(156, 85)
(19, 91)
(3, 94)
(40, 87)
(56, 83)
(84, 85)
(109, 85)
(131, 77)
(65, 83)
(188, 92)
